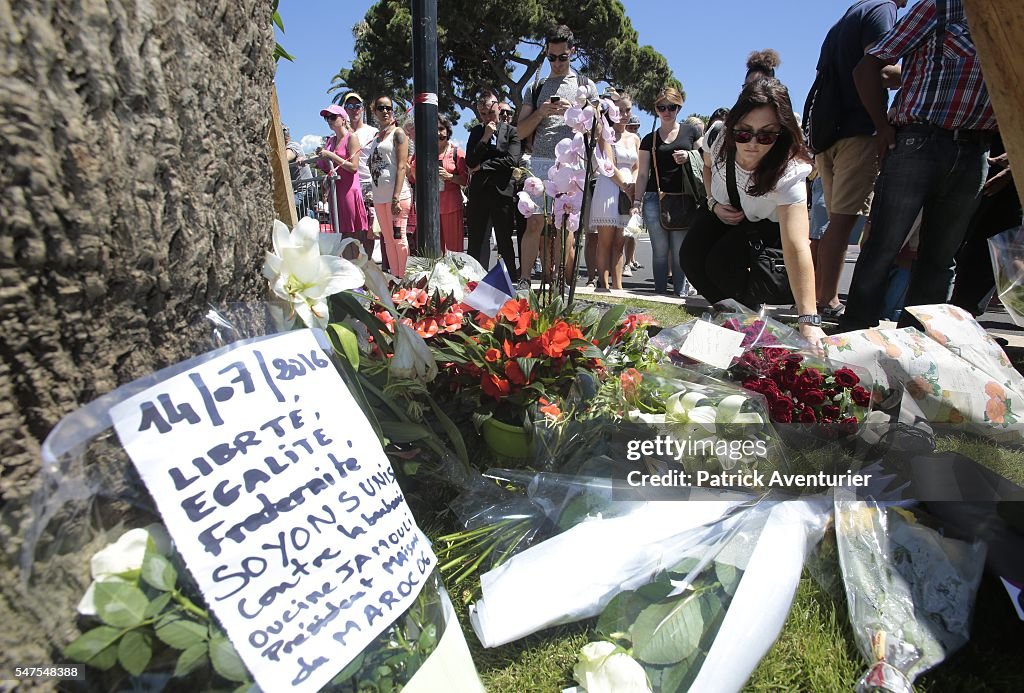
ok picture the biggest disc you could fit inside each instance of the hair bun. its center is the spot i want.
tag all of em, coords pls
(764, 61)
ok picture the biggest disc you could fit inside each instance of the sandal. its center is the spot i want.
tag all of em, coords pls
(830, 313)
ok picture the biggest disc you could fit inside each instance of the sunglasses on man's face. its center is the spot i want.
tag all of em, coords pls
(761, 136)
(353, 106)
(667, 107)
(562, 58)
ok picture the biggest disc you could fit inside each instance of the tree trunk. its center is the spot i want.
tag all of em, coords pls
(135, 189)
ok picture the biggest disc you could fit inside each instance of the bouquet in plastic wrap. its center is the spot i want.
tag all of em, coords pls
(1007, 252)
(910, 590)
(247, 456)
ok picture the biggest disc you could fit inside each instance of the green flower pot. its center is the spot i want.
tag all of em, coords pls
(505, 439)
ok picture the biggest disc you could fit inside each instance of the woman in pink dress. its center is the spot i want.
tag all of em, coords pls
(341, 152)
(451, 169)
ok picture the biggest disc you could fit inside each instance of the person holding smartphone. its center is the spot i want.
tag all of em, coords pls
(542, 119)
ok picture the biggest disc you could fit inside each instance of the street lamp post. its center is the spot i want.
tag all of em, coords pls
(424, 83)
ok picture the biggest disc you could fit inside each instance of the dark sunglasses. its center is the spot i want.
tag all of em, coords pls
(505, 115)
(332, 117)
(563, 58)
(670, 107)
(442, 136)
(353, 106)
(762, 137)
(381, 108)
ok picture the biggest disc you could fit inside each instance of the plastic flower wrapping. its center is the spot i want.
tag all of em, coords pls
(1007, 253)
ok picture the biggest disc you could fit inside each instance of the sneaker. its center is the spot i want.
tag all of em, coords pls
(830, 313)
(627, 272)
(523, 285)
(591, 283)
(636, 265)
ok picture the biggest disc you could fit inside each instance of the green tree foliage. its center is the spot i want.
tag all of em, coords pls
(500, 44)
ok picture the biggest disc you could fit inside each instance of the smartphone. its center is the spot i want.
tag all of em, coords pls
(555, 98)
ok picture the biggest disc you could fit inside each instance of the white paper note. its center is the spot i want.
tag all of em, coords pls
(711, 344)
(283, 504)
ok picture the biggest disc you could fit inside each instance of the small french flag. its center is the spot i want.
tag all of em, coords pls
(493, 290)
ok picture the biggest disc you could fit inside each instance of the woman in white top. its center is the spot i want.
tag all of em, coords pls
(605, 216)
(761, 141)
(389, 162)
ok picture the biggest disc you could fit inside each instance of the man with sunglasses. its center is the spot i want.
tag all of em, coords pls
(541, 118)
(934, 156)
(364, 132)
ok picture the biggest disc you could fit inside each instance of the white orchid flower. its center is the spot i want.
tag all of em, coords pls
(122, 560)
(412, 357)
(582, 95)
(606, 668)
(526, 206)
(571, 150)
(580, 119)
(300, 275)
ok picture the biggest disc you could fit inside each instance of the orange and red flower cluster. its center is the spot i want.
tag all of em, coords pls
(429, 317)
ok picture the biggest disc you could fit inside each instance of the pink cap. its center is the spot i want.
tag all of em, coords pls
(334, 109)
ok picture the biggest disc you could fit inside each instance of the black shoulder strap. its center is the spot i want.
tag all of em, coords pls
(730, 180)
(535, 93)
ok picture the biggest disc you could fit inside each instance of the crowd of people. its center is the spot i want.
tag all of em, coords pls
(725, 202)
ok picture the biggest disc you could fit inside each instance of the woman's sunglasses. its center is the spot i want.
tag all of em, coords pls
(563, 58)
(332, 117)
(762, 137)
(670, 107)
(381, 108)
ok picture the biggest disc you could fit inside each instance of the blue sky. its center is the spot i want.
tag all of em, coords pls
(706, 45)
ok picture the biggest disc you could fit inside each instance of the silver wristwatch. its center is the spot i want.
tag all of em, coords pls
(813, 319)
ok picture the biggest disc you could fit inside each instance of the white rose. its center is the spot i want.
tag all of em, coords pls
(605, 668)
(122, 560)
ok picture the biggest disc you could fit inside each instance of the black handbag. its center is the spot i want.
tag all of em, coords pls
(768, 281)
(677, 210)
(625, 202)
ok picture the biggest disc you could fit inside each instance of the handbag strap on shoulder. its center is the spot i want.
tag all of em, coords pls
(654, 157)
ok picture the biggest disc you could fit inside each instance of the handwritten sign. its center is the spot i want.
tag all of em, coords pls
(711, 344)
(282, 503)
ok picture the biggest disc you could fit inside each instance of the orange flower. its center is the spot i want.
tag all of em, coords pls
(550, 409)
(484, 321)
(630, 380)
(492, 355)
(495, 387)
(426, 328)
(995, 410)
(513, 308)
(515, 374)
(452, 321)
(994, 389)
(556, 339)
(523, 323)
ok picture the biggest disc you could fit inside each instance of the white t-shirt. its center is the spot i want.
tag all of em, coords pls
(365, 135)
(790, 190)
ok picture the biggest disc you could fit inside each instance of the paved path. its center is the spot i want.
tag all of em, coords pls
(641, 286)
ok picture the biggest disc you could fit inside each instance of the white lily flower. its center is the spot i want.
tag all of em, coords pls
(412, 357)
(300, 275)
(605, 668)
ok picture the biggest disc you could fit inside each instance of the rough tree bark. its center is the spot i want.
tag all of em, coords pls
(134, 190)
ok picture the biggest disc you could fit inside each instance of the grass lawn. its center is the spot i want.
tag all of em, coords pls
(816, 650)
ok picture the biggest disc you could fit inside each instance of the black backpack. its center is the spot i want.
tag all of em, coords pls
(535, 89)
(823, 111)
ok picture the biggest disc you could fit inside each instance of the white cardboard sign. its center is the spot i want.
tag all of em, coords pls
(283, 504)
(711, 344)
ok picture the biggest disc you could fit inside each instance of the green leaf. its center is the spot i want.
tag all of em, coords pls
(344, 336)
(179, 632)
(526, 365)
(134, 652)
(120, 604)
(226, 661)
(678, 678)
(105, 660)
(728, 575)
(670, 632)
(451, 430)
(91, 643)
(191, 659)
(350, 669)
(158, 605)
(609, 321)
(276, 19)
(401, 432)
(158, 572)
(622, 611)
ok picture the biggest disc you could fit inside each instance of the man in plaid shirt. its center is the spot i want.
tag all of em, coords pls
(935, 155)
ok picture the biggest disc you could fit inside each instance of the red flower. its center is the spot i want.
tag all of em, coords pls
(523, 323)
(556, 339)
(514, 373)
(782, 410)
(630, 381)
(495, 387)
(793, 360)
(861, 397)
(550, 409)
(810, 378)
(848, 425)
(484, 321)
(830, 412)
(513, 308)
(452, 321)
(812, 397)
(492, 355)
(807, 415)
(788, 379)
(846, 378)
(426, 328)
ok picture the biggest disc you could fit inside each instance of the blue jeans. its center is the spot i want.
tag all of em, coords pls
(930, 171)
(664, 247)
